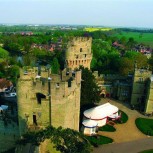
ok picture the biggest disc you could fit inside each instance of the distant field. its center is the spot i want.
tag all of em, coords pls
(97, 29)
(146, 38)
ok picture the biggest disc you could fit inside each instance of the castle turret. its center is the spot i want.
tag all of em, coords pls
(78, 52)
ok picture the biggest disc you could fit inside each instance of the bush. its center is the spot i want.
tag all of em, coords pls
(145, 125)
(108, 128)
(98, 140)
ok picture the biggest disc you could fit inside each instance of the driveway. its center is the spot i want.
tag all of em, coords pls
(126, 147)
(127, 137)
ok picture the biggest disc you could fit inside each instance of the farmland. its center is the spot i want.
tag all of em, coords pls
(92, 29)
(146, 38)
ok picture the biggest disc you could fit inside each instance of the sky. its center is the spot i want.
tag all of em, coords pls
(122, 13)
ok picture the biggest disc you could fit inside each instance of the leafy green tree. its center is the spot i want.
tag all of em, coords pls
(131, 43)
(65, 140)
(141, 59)
(55, 67)
(89, 89)
(13, 73)
(127, 65)
(93, 63)
(123, 40)
(150, 61)
(3, 54)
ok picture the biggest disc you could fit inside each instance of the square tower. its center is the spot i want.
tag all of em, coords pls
(78, 52)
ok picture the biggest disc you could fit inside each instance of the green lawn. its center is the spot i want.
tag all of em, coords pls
(107, 128)
(146, 38)
(124, 117)
(145, 125)
(147, 151)
(99, 140)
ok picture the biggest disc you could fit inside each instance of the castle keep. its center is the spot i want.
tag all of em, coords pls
(78, 52)
(42, 101)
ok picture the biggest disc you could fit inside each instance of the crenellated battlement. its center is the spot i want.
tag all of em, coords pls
(78, 52)
(34, 90)
(143, 72)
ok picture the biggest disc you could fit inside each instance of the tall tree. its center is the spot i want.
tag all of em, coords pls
(89, 89)
(55, 67)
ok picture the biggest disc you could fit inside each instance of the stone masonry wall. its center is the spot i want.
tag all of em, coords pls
(79, 52)
(65, 101)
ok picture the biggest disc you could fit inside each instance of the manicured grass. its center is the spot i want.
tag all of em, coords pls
(124, 117)
(99, 140)
(107, 128)
(50, 148)
(145, 125)
(147, 151)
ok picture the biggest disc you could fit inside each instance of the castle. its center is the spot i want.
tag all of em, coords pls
(54, 101)
(78, 52)
(136, 89)
(46, 99)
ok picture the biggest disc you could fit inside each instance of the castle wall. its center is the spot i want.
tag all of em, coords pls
(79, 52)
(65, 101)
(139, 89)
(149, 101)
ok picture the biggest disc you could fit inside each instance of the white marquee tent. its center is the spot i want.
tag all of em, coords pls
(101, 113)
(90, 127)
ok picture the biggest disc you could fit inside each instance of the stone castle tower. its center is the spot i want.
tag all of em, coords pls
(140, 88)
(149, 99)
(43, 101)
(78, 52)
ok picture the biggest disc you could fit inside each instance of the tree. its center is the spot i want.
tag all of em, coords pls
(151, 62)
(3, 53)
(141, 59)
(55, 67)
(127, 65)
(89, 89)
(13, 73)
(65, 140)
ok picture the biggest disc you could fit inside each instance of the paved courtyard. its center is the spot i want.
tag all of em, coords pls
(126, 134)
